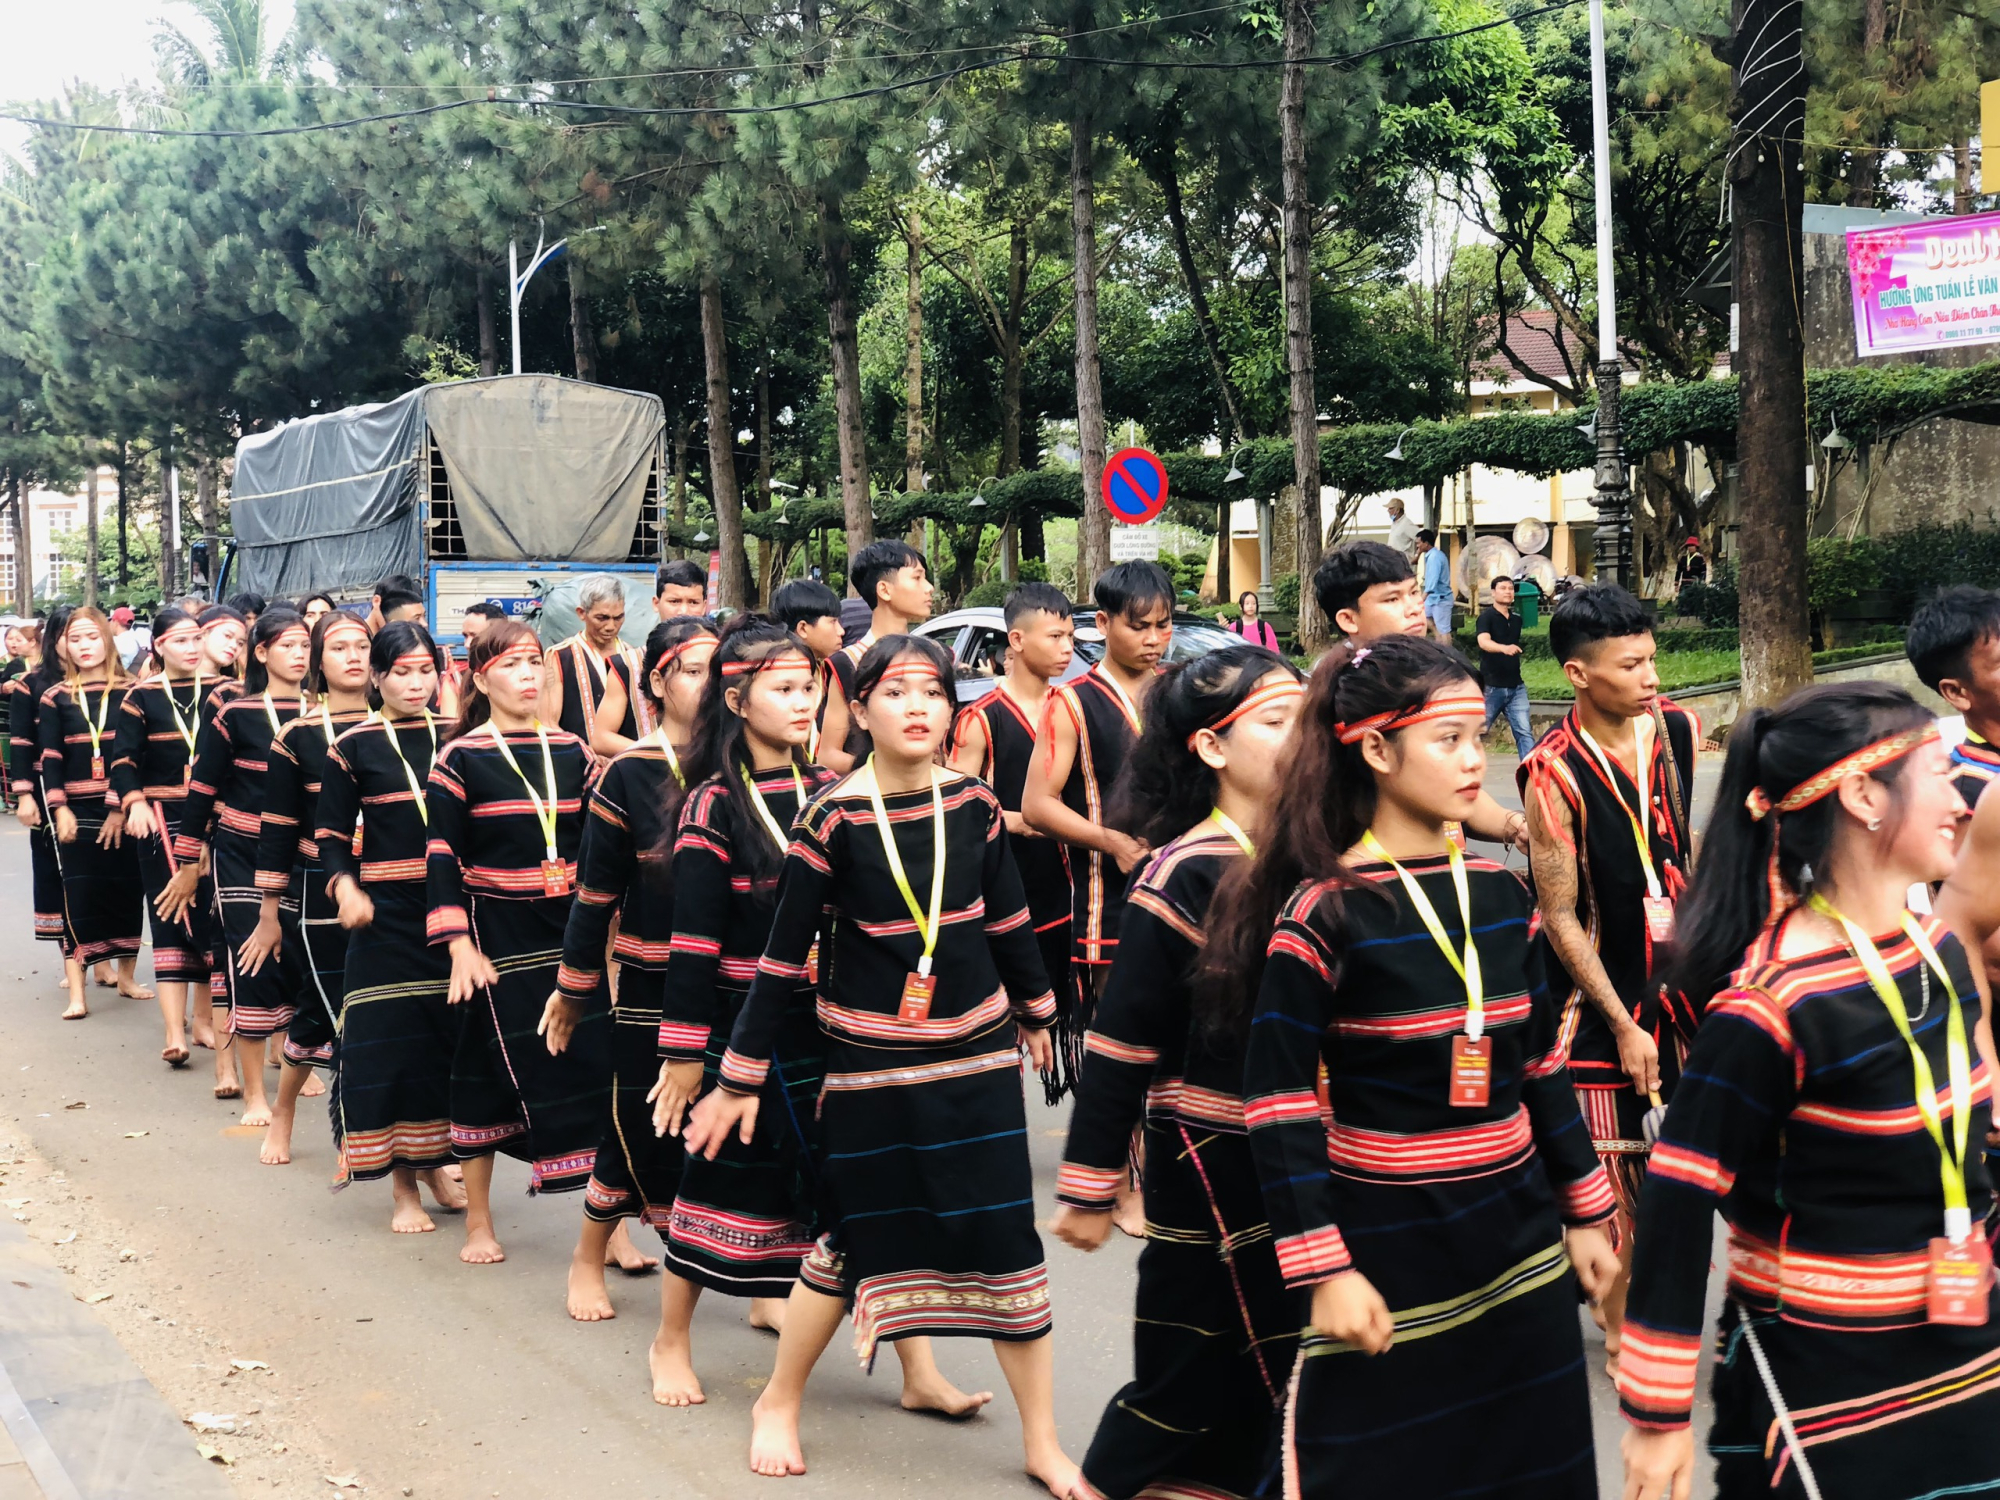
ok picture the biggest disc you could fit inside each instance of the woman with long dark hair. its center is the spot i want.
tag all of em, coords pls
(1435, 1213)
(930, 987)
(152, 762)
(737, 1224)
(100, 871)
(622, 874)
(222, 819)
(391, 1104)
(505, 805)
(1833, 1108)
(25, 743)
(1214, 1328)
(311, 948)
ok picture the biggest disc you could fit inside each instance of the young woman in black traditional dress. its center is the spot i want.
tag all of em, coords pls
(506, 821)
(25, 743)
(1833, 1108)
(930, 987)
(622, 875)
(222, 818)
(1215, 1328)
(152, 762)
(100, 871)
(312, 949)
(1435, 1212)
(391, 1105)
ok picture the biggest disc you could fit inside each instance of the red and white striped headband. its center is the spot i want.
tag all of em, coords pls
(758, 663)
(1278, 692)
(904, 667)
(1417, 713)
(345, 622)
(522, 648)
(411, 658)
(1867, 759)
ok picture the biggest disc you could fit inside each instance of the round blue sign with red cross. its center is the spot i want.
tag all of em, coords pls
(1135, 486)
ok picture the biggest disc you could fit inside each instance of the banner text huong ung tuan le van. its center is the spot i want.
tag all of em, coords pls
(1926, 284)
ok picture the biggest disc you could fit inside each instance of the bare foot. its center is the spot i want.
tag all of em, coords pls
(588, 1300)
(134, 991)
(202, 1034)
(315, 1086)
(625, 1255)
(1128, 1214)
(674, 1380)
(446, 1191)
(481, 1249)
(174, 1057)
(410, 1218)
(104, 977)
(939, 1397)
(1056, 1470)
(256, 1114)
(277, 1149)
(774, 1440)
(768, 1313)
(76, 1010)
(229, 1090)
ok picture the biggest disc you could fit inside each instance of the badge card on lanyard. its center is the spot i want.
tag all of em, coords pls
(918, 988)
(1471, 1085)
(1659, 905)
(555, 874)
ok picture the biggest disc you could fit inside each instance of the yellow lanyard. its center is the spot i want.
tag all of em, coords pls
(1234, 829)
(927, 930)
(185, 728)
(757, 801)
(1125, 702)
(1958, 1060)
(673, 760)
(545, 815)
(1639, 820)
(1467, 968)
(95, 731)
(409, 771)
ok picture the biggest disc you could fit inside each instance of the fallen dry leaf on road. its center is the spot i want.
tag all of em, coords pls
(248, 1364)
(80, 1104)
(212, 1421)
(342, 1481)
(133, 1135)
(97, 1297)
(214, 1455)
(67, 1238)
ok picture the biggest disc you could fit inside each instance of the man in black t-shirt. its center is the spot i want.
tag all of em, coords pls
(1500, 664)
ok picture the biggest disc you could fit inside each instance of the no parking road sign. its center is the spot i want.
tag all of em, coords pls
(1134, 486)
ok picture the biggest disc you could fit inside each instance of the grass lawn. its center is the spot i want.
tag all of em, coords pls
(1678, 669)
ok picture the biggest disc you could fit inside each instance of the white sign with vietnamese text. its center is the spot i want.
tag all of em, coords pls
(1136, 543)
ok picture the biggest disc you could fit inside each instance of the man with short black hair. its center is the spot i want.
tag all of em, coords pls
(892, 581)
(1435, 570)
(1607, 792)
(680, 588)
(395, 592)
(1500, 665)
(811, 611)
(479, 616)
(1954, 643)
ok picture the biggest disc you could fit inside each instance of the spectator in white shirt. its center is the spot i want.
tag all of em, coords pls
(1402, 530)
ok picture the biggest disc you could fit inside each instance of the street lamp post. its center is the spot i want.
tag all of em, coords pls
(1611, 549)
(517, 279)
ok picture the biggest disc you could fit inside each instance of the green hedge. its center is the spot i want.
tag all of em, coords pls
(1535, 643)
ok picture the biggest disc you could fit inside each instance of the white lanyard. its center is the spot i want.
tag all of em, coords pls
(1125, 702)
(673, 760)
(1640, 820)
(545, 815)
(271, 713)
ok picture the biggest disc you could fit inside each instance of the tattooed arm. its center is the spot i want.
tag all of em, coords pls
(1555, 889)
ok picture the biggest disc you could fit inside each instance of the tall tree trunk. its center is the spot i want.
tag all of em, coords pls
(1166, 175)
(1298, 313)
(1864, 172)
(170, 523)
(489, 326)
(90, 534)
(837, 256)
(683, 435)
(205, 477)
(124, 550)
(768, 551)
(582, 336)
(1093, 531)
(1961, 177)
(1767, 107)
(1013, 359)
(733, 585)
(913, 353)
(24, 558)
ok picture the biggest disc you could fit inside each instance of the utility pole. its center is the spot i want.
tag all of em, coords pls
(1611, 546)
(1767, 110)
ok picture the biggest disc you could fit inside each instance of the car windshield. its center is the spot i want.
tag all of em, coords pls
(1192, 638)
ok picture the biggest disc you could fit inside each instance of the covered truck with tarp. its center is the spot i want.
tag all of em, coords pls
(509, 489)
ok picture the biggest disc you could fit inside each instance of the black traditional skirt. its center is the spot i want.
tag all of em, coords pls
(507, 1093)
(1889, 1414)
(101, 891)
(1213, 1337)
(180, 949)
(1484, 1391)
(637, 1172)
(51, 922)
(321, 956)
(743, 1222)
(926, 1152)
(391, 1096)
(262, 1004)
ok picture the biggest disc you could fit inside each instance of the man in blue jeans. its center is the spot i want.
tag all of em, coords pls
(1500, 665)
(1434, 569)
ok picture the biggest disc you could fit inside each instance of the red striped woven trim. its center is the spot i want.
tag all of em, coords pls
(1437, 706)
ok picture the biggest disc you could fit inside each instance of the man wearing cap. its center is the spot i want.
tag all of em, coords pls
(133, 640)
(1693, 566)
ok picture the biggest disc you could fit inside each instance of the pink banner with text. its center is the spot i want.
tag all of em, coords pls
(1925, 285)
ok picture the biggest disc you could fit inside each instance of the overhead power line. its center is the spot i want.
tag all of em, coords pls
(493, 98)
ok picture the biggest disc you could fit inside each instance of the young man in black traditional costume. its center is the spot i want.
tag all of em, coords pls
(1607, 792)
(1954, 643)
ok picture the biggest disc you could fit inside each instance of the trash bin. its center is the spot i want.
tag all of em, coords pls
(1531, 603)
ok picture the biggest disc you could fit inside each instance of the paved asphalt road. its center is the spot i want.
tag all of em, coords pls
(396, 1368)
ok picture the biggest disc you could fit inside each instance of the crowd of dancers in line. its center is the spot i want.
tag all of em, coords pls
(757, 937)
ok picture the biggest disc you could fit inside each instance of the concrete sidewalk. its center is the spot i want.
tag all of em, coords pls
(77, 1419)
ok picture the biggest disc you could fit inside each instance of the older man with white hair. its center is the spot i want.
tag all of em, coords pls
(1402, 530)
(575, 671)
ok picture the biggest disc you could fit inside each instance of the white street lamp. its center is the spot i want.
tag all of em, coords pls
(517, 279)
